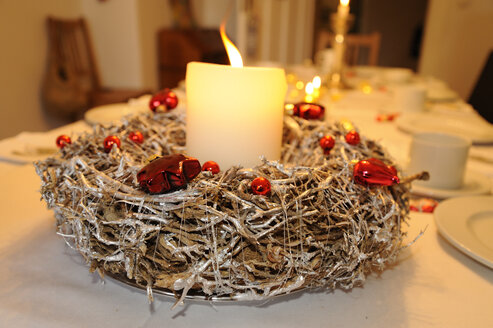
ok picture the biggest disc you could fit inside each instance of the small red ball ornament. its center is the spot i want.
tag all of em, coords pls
(163, 100)
(327, 143)
(109, 141)
(260, 186)
(62, 141)
(372, 171)
(309, 111)
(211, 166)
(352, 138)
(136, 136)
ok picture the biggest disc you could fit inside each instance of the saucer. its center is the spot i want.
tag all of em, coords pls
(467, 222)
(474, 184)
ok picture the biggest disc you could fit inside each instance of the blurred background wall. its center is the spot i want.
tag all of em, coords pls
(458, 34)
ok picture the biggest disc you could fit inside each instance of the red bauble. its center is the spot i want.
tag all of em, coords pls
(136, 136)
(109, 141)
(309, 111)
(352, 138)
(163, 100)
(387, 117)
(327, 143)
(374, 172)
(62, 141)
(260, 186)
(211, 166)
(168, 173)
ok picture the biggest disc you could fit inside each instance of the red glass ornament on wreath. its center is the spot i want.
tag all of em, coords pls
(327, 143)
(352, 138)
(168, 173)
(309, 111)
(163, 100)
(136, 136)
(374, 172)
(109, 141)
(62, 141)
(211, 166)
(260, 186)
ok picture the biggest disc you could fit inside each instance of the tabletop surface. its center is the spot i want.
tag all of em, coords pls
(44, 283)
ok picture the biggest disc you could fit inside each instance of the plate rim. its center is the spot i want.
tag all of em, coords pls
(199, 295)
(467, 212)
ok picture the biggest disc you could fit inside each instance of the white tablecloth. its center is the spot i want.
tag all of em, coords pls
(44, 283)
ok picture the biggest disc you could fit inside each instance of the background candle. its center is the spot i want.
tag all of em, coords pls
(234, 114)
(343, 9)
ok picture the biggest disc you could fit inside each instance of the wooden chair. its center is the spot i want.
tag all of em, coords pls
(72, 83)
(361, 49)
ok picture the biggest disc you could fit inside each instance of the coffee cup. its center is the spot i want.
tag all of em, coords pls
(409, 98)
(443, 156)
(397, 75)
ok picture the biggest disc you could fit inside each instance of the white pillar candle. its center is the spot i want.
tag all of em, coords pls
(234, 114)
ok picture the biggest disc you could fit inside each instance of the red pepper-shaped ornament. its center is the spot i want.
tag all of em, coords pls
(136, 136)
(109, 141)
(260, 186)
(352, 138)
(168, 173)
(327, 143)
(211, 166)
(309, 111)
(163, 100)
(62, 141)
(373, 172)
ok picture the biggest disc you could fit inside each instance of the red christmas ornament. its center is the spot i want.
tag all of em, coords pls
(260, 186)
(309, 111)
(168, 173)
(387, 117)
(62, 141)
(164, 100)
(211, 166)
(327, 143)
(374, 172)
(109, 141)
(352, 138)
(136, 136)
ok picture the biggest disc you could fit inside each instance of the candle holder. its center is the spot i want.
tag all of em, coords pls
(340, 26)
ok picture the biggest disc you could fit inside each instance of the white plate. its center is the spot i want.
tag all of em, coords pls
(111, 113)
(467, 223)
(474, 184)
(465, 124)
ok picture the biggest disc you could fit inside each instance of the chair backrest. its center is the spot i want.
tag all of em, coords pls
(70, 45)
(481, 98)
(71, 75)
(361, 49)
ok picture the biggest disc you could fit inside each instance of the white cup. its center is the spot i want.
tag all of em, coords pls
(444, 156)
(397, 75)
(409, 98)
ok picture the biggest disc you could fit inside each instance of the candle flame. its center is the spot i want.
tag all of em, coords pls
(345, 2)
(317, 82)
(233, 52)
